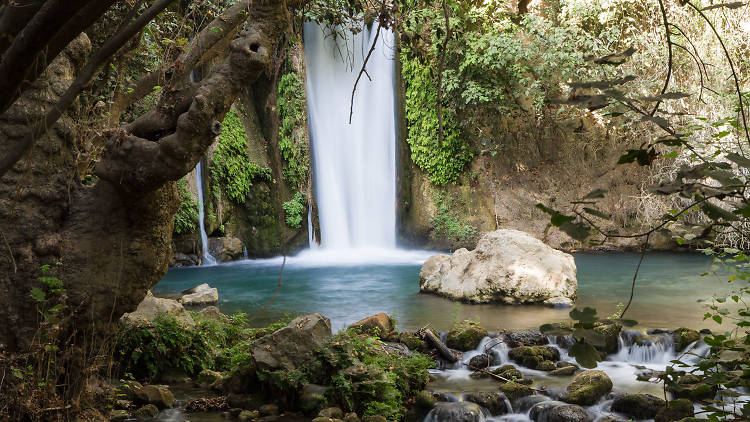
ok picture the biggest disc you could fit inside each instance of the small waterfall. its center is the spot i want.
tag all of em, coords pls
(244, 252)
(312, 242)
(207, 258)
(354, 165)
(656, 348)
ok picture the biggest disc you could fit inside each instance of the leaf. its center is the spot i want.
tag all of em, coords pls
(559, 219)
(586, 355)
(577, 231)
(587, 315)
(732, 5)
(555, 330)
(642, 156)
(717, 213)
(717, 318)
(596, 193)
(590, 336)
(615, 59)
(738, 159)
(596, 213)
(38, 294)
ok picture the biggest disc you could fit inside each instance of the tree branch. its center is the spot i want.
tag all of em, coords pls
(361, 71)
(668, 35)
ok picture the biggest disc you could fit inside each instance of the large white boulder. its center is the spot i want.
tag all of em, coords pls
(152, 306)
(200, 295)
(507, 266)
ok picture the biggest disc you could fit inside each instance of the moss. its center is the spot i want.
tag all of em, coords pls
(588, 387)
(514, 391)
(684, 337)
(293, 144)
(447, 222)
(536, 357)
(231, 168)
(611, 334)
(675, 411)
(465, 336)
(509, 372)
(186, 219)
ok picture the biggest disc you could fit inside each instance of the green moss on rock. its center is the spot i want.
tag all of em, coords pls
(465, 336)
(514, 391)
(588, 387)
(675, 411)
(536, 357)
(684, 337)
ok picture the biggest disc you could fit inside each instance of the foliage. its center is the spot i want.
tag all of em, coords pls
(292, 130)
(50, 298)
(366, 378)
(230, 165)
(186, 219)
(147, 350)
(443, 161)
(293, 210)
(447, 222)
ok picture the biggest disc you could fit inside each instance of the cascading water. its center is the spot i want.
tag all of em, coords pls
(354, 164)
(208, 259)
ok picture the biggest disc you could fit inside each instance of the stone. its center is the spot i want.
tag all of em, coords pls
(456, 412)
(269, 418)
(465, 336)
(374, 418)
(207, 377)
(494, 402)
(269, 410)
(569, 413)
(128, 389)
(376, 324)
(541, 410)
(411, 341)
(526, 403)
(559, 302)
(152, 306)
(212, 313)
(611, 334)
(480, 361)
(312, 398)
(201, 295)
(351, 417)
(322, 419)
(225, 249)
(536, 357)
(509, 372)
(248, 415)
(424, 401)
(514, 390)
(119, 415)
(507, 266)
(639, 406)
(516, 338)
(683, 337)
(332, 413)
(675, 410)
(292, 346)
(146, 412)
(588, 387)
(564, 371)
(158, 395)
(185, 260)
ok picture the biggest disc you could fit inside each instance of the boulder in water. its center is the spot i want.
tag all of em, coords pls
(536, 357)
(610, 331)
(515, 390)
(465, 336)
(683, 337)
(569, 413)
(495, 402)
(588, 387)
(201, 295)
(480, 361)
(455, 412)
(675, 410)
(639, 406)
(225, 248)
(516, 338)
(507, 266)
(151, 306)
(292, 346)
(158, 395)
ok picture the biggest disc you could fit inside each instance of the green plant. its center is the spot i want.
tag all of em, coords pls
(230, 165)
(447, 222)
(50, 298)
(293, 210)
(186, 219)
(292, 129)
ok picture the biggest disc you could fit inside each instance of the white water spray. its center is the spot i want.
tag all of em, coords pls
(354, 164)
(206, 255)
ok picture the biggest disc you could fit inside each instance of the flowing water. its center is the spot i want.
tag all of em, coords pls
(354, 164)
(206, 256)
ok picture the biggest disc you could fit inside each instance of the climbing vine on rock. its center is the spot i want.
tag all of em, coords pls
(230, 166)
(292, 129)
(186, 219)
(293, 210)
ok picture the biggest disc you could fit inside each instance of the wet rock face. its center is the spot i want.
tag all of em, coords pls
(455, 412)
(675, 410)
(292, 346)
(494, 402)
(588, 387)
(639, 406)
(507, 266)
(516, 338)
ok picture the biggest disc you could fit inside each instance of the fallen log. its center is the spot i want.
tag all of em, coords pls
(435, 342)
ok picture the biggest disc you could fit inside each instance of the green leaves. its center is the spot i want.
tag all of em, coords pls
(585, 354)
(294, 209)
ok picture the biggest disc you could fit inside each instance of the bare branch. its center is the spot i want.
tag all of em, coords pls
(361, 71)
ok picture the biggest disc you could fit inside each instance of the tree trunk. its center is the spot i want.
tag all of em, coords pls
(112, 238)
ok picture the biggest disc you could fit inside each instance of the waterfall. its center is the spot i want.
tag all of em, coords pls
(354, 165)
(312, 242)
(207, 258)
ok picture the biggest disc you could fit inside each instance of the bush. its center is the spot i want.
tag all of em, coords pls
(292, 129)
(293, 210)
(186, 219)
(447, 223)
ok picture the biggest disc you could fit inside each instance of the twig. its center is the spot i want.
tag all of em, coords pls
(635, 276)
(669, 61)
(361, 71)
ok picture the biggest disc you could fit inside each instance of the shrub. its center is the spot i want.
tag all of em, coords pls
(292, 129)
(186, 219)
(293, 210)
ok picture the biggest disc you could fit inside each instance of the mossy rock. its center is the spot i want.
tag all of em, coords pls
(639, 406)
(536, 357)
(508, 372)
(410, 340)
(424, 401)
(611, 334)
(683, 337)
(675, 410)
(146, 412)
(514, 391)
(465, 336)
(588, 387)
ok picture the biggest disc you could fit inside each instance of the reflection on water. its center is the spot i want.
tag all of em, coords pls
(346, 288)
